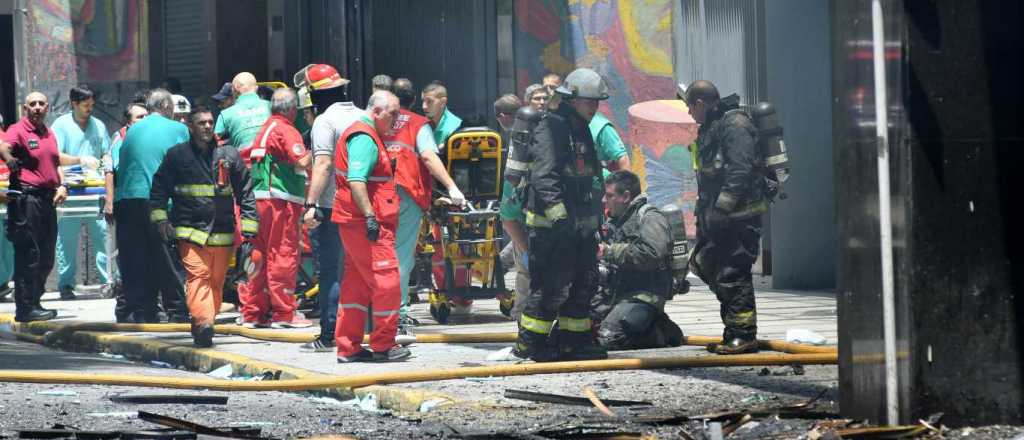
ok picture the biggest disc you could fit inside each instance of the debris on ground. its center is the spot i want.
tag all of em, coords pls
(58, 393)
(804, 336)
(566, 400)
(171, 422)
(173, 399)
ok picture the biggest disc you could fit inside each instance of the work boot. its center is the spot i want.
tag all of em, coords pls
(202, 336)
(395, 353)
(576, 346)
(67, 293)
(535, 346)
(735, 346)
(35, 314)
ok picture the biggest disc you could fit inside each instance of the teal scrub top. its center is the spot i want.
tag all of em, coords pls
(241, 122)
(362, 155)
(142, 151)
(445, 127)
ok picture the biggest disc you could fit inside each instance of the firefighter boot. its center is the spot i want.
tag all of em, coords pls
(735, 346)
(578, 346)
(535, 346)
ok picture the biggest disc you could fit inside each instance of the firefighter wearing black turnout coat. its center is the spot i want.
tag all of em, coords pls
(636, 253)
(563, 210)
(731, 200)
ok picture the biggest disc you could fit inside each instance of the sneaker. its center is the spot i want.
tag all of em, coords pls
(297, 321)
(67, 293)
(252, 324)
(395, 353)
(318, 346)
(361, 356)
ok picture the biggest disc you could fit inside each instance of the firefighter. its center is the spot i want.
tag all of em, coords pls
(29, 149)
(334, 114)
(730, 202)
(279, 159)
(563, 210)
(636, 254)
(204, 182)
(513, 221)
(366, 210)
(237, 125)
(411, 146)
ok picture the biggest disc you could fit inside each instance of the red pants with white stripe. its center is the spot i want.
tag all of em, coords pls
(272, 290)
(371, 278)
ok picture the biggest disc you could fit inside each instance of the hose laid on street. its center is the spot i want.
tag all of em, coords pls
(362, 380)
(291, 336)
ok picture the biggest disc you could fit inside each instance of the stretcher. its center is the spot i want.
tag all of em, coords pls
(458, 254)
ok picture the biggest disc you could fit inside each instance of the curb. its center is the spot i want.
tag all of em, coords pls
(205, 360)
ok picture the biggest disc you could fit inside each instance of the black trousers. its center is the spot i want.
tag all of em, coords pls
(32, 230)
(147, 266)
(563, 273)
(723, 258)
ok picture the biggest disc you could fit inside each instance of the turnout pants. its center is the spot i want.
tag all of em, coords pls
(32, 229)
(147, 267)
(563, 280)
(722, 258)
(206, 267)
(371, 279)
(272, 290)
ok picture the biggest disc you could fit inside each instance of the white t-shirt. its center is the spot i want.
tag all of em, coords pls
(327, 128)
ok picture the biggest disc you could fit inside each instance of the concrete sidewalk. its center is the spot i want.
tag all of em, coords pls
(696, 313)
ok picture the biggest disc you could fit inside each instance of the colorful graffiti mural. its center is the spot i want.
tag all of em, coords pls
(630, 44)
(100, 42)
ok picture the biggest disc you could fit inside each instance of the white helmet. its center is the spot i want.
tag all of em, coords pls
(584, 83)
(181, 104)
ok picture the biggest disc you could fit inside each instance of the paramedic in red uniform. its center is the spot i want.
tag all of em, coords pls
(366, 211)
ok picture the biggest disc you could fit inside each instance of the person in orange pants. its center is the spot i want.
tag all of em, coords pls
(204, 182)
(366, 210)
(279, 159)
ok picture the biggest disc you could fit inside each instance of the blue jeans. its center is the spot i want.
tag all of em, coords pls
(330, 258)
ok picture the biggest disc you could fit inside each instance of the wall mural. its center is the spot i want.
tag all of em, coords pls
(103, 43)
(630, 44)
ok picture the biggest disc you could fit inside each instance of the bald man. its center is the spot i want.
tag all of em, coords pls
(730, 202)
(238, 125)
(29, 149)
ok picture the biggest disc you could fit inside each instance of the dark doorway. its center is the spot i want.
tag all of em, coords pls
(242, 39)
(452, 41)
(7, 86)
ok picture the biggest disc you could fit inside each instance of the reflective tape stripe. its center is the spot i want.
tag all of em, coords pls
(355, 306)
(221, 239)
(537, 221)
(249, 225)
(517, 165)
(578, 325)
(535, 325)
(646, 297)
(191, 234)
(158, 215)
(556, 212)
(266, 134)
(385, 312)
(202, 190)
(278, 194)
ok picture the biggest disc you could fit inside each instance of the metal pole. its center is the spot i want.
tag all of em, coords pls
(884, 215)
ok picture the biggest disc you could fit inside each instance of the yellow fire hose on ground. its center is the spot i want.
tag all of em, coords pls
(60, 330)
(362, 380)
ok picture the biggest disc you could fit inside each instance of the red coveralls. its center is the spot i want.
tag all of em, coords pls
(371, 268)
(273, 287)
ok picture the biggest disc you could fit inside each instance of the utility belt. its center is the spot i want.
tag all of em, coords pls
(33, 190)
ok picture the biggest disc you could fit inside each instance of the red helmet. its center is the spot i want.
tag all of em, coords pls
(319, 76)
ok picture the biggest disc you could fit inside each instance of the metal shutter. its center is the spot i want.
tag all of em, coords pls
(184, 42)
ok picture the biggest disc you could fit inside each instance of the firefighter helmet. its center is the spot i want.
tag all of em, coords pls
(319, 76)
(584, 83)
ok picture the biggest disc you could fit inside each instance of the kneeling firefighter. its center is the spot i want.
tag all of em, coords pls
(563, 210)
(637, 254)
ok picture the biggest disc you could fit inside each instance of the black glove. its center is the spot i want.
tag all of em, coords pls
(716, 219)
(13, 165)
(372, 229)
(166, 231)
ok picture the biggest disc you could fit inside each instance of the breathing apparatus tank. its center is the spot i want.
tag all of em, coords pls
(773, 148)
(522, 136)
(679, 259)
